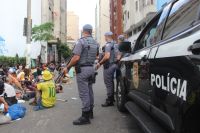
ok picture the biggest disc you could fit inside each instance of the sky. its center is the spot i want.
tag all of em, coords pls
(12, 13)
(85, 9)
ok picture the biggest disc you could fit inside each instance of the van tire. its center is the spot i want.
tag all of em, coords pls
(121, 95)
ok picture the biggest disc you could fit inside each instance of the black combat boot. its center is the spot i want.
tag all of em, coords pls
(91, 114)
(113, 98)
(83, 120)
(109, 102)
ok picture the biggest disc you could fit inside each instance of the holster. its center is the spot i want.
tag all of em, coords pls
(78, 69)
(92, 79)
(106, 65)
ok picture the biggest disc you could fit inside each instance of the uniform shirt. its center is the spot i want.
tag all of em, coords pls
(109, 47)
(48, 93)
(78, 48)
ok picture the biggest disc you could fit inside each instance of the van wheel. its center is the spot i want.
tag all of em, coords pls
(121, 97)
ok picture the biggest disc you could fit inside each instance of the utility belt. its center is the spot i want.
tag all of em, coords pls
(91, 79)
(108, 64)
(78, 67)
(86, 65)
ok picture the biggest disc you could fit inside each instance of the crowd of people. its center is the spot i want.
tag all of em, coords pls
(39, 83)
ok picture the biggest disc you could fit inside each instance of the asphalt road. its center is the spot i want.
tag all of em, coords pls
(59, 119)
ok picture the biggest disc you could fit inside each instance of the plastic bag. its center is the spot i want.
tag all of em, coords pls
(16, 111)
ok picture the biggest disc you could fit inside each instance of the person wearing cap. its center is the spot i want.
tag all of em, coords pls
(120, 39)
(45, 92)
(109, 63)
(84, 56)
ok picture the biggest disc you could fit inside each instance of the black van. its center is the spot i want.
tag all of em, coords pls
(159, 82)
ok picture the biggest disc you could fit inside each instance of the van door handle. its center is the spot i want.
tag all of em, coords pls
(195, 48)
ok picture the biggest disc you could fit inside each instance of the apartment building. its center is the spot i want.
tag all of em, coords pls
(102, 21)
(137, 13)
(116, 15)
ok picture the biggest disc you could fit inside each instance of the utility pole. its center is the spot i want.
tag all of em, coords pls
(28, 36)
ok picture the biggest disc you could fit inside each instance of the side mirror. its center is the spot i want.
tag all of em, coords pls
(125, 47)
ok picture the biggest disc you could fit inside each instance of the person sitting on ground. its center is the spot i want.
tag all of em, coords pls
(3, 106)
(51, 67)
(45, 92)
(9, 93)
(12, 79)
(2, 100)
(2, 73)
(59, 88)
(18, 69)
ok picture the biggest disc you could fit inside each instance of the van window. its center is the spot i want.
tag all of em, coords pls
(182, 16)
(153, 31)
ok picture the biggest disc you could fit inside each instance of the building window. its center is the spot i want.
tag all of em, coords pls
(123, 2)
(130, 34)
(135, 31)
(128, 15)
(182, 15)
(139, 28)
(152, 2)
(136, 5)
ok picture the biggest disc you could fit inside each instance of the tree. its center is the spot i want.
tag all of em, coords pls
(43, 32)
(64, 51)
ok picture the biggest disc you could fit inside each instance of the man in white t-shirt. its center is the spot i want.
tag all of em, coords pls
(9, 94)
(3, 105)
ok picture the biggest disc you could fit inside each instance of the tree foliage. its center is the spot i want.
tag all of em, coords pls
(12, 61)
(64, 51)
(43, 32)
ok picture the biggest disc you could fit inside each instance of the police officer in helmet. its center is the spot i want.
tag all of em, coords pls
(84, 56)
(109, 63)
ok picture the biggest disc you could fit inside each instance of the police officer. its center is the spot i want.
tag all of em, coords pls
(109, 62)
(84, 56)
(120, 39)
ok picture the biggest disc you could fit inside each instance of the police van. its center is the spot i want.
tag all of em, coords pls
(159, 82)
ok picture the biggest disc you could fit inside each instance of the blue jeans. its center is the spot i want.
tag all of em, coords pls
(39, 105)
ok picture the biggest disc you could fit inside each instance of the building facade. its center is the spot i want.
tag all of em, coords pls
(136, 14)
(102, 21)
(72, 25)
(63, 21)
(53, 11)
(72, 28)
(116, 14)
